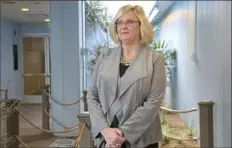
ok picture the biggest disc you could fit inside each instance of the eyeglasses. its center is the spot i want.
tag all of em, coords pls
(128, 23)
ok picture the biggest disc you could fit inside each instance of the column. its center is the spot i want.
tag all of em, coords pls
(65, 62)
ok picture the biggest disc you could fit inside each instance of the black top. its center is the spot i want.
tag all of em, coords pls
(115, 122)
(123, 69)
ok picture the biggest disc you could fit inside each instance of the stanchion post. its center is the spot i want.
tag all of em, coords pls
(45, 106)
(206, 124)
(85, 100)
(12, 128)
(87, 140)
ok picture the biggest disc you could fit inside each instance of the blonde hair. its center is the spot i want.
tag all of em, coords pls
(146, 30)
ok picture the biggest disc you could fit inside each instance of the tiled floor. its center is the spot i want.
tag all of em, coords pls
(33, 137)
(30, 135)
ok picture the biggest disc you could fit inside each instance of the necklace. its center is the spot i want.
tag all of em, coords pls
(127, 63)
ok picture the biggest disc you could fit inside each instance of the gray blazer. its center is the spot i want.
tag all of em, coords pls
(141, 94)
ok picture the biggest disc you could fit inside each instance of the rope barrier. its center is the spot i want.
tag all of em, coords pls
(54, 119)
(7, 111)
(21, 101)
(16, 107)
(59, 123)
(48, 131)
(31, 92)
(6, 141)
(19, 139)
(68, 104)
(3, 137)
(174, 138)
(178, 111)
(89, 128)
(79, 137)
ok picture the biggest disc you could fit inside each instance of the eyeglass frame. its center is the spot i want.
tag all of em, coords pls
(126, 23)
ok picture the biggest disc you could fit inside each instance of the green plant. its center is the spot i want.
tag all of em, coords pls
(191, 131)
(161, 47)
(166, 139)
(162, 117)
(172, 55)
(96, 15)
(95, 53)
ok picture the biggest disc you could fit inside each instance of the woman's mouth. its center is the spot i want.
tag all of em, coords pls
(124, 32)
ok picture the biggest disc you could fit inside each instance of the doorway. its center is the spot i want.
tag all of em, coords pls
(36, 63)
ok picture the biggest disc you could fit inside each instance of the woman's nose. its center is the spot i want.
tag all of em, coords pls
(124, 25)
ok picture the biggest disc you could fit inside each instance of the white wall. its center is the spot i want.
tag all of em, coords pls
(202, 29)
(214, 53)
(10, 79)
(36, 28)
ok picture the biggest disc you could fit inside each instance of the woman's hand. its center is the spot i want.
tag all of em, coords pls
(113, 136)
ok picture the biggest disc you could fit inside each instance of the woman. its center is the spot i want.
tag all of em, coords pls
(128, 85)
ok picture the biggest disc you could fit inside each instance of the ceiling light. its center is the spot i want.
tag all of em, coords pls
(25, 9)
(47, 20)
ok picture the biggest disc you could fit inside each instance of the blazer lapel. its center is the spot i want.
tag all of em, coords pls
(110, 70)
(136, 71)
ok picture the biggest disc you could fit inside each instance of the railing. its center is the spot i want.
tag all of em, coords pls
(205, 109)
(84, 138)
(3, 96)
(10, 109)
(206, 124)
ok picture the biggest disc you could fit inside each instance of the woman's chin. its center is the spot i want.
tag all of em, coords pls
(126, 40)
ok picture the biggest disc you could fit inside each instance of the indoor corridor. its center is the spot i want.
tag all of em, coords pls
(49, 49)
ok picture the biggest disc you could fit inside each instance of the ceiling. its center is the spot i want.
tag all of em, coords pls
(39, 10)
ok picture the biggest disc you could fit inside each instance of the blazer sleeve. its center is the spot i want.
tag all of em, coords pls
(98, 121)
(144, 115)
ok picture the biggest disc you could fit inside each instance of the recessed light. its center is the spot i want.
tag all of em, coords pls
(25, 9)
(47, 20)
